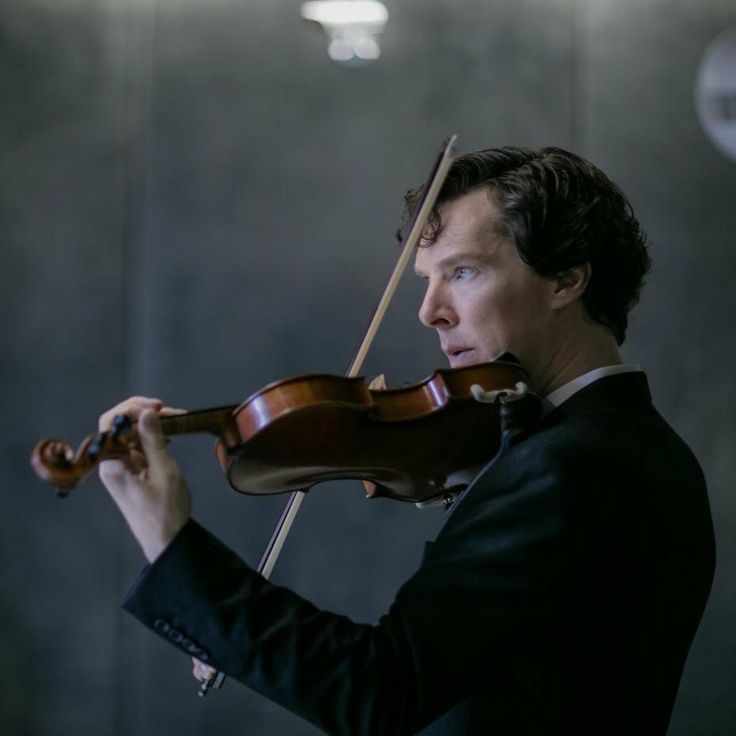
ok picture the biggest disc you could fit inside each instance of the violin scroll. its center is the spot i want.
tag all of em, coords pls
(57, 463)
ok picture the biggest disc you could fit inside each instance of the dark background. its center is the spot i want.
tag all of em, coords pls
(194, 201)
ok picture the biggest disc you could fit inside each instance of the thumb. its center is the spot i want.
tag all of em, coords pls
(153, 440)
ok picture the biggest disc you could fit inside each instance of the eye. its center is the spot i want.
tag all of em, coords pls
(463, 273)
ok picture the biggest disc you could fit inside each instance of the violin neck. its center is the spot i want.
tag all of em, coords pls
(203, 421)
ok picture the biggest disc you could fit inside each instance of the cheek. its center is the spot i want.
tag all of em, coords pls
(507, 318)
(492, 322)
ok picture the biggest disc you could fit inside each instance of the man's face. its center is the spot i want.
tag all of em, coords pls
(481, 297)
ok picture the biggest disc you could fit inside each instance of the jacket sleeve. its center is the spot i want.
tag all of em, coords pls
(450, 627)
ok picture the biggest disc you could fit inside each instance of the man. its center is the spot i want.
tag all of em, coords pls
(563, 592)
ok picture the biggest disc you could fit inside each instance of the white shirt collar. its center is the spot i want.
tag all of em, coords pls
(563, 393)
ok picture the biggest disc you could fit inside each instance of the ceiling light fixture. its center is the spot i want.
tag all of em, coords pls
(352, 27)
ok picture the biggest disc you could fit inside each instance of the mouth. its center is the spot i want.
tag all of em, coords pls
(459, 355)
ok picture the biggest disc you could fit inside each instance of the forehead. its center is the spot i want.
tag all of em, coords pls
(469, 229)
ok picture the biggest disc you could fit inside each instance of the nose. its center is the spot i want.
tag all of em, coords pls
(436, 309)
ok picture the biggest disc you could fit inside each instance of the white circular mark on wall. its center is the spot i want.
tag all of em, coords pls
(715, 93)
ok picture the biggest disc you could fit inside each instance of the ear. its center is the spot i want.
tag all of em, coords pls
(569, 285)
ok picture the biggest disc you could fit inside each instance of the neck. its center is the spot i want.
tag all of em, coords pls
(575, 355)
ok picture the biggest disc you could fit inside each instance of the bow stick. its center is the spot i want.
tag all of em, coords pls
(214, 678)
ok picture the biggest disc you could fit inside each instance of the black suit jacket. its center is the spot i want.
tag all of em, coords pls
(561, 596)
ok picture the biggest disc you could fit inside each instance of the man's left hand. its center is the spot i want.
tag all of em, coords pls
(151, 493)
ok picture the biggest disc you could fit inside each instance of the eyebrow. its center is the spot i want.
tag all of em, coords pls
(459, 259)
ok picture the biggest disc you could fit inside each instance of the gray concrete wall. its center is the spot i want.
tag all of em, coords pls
(195, 201)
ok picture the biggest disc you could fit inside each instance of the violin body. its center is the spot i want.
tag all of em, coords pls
(299, 432)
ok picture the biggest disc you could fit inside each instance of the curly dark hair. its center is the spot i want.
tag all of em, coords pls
(560, 211)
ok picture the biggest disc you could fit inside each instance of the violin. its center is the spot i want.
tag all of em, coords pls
(301, 431)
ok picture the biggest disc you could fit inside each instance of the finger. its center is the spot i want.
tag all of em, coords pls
(136, 462)
(119, 469)
(169, 411)
(153, 440)
(201, 671)
(131, 407)
(370, 488)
